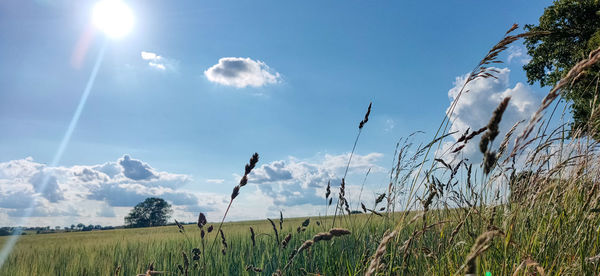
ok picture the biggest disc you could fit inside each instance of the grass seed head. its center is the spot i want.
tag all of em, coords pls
(235, 192)
(252, 236)
(492, 126)
(286, 240)
(201, 220)
(366, 119)
(280, 220)
(381, 249)
(274, 230)
(336, 232)
(379, 198)
(306, 245)
(223, 240)
(181, 230)
(323, 236)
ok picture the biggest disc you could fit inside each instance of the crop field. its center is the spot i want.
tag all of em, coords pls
(502, 240)
(101, 252)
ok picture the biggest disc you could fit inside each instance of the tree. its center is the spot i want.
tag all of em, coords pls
(567, 32)
(5, 231)
(151, 212)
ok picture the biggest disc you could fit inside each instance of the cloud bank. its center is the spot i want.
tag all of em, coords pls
(241, 72)
(90, 191)
(475, 107)
(105, 193)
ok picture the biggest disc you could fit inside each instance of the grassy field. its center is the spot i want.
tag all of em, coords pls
(552, 241)
(531, 208)
(101, 252)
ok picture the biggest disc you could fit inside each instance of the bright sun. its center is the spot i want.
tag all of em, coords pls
(113, 17)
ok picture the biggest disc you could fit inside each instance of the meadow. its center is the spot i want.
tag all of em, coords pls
(530, 208)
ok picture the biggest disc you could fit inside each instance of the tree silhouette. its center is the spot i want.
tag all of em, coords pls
(152, 211)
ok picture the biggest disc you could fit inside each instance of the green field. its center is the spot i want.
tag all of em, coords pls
(101, 252)
(554, 239)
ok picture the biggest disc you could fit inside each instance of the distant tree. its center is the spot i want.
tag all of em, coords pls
(57, 227)
(152, 211)
(567, 32)
(72, 226)
(80, 226)
(4, 231)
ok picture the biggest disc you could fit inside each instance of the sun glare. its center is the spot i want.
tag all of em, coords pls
(113, 17)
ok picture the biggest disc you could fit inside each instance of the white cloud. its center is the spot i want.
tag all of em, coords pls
(476, 104)
(241, 72)
(517, 53)
(149, 56)
(293, 182)
(158, 62)
(105, 193)
(28, 187)
(47, 185)
(157, 65)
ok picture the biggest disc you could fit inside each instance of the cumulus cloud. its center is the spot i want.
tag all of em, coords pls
(136, 169)
(104, 193)
(482, 96)
(29, 188)
(241, 72)
(110, 169)
(22, 168)
(47, 185)
(293, 182)
(157, 62)
(15, 200)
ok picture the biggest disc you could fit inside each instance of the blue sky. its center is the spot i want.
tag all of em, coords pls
(312, 67)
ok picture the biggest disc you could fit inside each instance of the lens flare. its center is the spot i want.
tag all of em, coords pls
(12, 240)
(113, 17)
